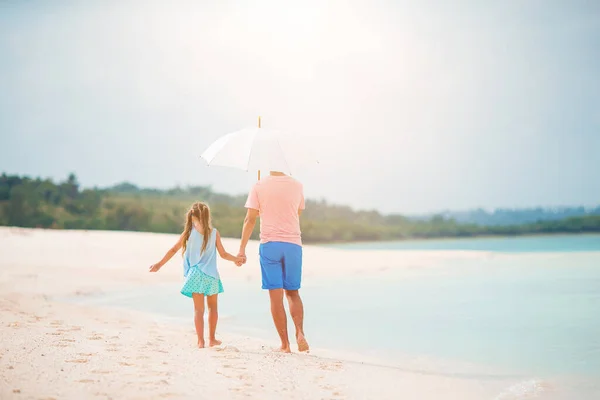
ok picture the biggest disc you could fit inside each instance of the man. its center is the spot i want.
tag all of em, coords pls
(279, 200)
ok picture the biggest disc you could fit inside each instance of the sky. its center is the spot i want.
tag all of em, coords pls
(411, 106)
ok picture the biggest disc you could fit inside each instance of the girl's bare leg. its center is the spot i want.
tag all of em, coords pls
(213, 318)
(199, 317)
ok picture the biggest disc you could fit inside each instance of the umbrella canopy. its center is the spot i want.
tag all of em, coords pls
(254, 149)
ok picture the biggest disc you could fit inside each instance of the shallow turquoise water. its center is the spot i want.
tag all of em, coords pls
(517, 244)
(523, 315)
(541, 321)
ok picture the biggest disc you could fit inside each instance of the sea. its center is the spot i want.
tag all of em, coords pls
(527, 313)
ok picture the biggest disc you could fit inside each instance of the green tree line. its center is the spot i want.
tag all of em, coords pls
(42, 203)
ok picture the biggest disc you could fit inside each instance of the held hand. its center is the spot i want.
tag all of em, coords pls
(155, 267)
(239, 261)
(241, 257)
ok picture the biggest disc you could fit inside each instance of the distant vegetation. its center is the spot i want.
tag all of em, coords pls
(518, 216)
(27, 202)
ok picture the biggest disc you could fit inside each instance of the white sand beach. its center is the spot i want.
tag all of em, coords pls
(54, 349)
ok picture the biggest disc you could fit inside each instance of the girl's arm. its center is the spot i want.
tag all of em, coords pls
(225, 255)
(168, 256)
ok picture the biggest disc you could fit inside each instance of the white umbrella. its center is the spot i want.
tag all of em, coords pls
(259, 149)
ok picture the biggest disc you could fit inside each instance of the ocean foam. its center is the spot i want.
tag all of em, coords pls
(529, 389)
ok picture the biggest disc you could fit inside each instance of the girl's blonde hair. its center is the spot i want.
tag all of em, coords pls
(202, 213)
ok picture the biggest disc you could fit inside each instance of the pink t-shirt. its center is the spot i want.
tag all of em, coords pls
(278, 199)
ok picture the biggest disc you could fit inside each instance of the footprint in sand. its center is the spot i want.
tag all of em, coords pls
(168, 395)
(227, 349)
(331, 367)
(68, 340)
(86, 354)
(125, 364)
(54, 333)
(78, 361)
(86, 381)
(95, 337)
(98, 371)
(56, 323)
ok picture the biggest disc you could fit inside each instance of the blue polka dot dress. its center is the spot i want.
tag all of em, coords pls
(198, 282)
(200, 269)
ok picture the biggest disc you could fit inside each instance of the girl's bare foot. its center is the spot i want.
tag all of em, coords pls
(200, 344)
(302, 344)
(214, 342)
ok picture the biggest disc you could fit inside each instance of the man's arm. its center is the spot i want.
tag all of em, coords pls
(248, 228)
(302, 204)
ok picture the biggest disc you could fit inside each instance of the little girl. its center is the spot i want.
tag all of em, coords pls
(200, 242)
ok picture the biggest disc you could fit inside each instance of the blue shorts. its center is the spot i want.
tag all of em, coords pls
(281, 265)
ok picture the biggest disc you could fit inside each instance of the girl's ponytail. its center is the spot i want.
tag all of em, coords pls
(206, 225)
(187, 230)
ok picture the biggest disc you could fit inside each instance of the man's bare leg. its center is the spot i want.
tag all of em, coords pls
(280, 318)
(297, 311)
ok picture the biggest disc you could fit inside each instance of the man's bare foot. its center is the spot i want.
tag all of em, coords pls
(200, 344)
(302, 344)
(214, 342)
(283, 349)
